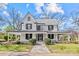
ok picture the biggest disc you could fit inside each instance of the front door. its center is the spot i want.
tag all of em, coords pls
(40, 37)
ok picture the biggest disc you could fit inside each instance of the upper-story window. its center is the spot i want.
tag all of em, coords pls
(38, 27)
(29, 18)
(50, 27)
(28, 26)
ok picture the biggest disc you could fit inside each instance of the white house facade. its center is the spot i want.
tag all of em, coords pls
(38, 29)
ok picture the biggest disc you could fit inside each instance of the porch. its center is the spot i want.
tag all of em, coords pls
(40, 36)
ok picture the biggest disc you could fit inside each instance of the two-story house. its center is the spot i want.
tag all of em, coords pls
(38, 29)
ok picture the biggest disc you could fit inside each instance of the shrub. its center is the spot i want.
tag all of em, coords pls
(75, 42)
(18, 42)
(32, 41)
(6, 38)
(47, 41)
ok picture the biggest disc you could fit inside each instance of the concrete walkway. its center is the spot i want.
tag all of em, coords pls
(40, 49)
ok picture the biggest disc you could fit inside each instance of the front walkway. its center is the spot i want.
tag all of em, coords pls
(40, 49)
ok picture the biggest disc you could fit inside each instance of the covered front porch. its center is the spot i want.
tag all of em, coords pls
(40, 36)
(25, 36)
(58, 36)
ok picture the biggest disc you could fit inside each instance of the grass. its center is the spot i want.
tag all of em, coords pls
(16, 47)
(64, 48)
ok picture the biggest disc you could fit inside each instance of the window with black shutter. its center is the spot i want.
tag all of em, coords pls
(50, 27)
(51, 36)
(28, 36)
(38, 27)
(28, 26)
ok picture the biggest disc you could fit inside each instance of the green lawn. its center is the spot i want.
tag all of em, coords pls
(16, 47)
(64, 48)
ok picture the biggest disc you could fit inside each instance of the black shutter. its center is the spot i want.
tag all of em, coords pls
(26, 26)
(26, 36)
(30, 26)
(52, 36)
(52, 27)
(30, 36)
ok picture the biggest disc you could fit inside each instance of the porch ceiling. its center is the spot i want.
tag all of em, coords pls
(59, 33)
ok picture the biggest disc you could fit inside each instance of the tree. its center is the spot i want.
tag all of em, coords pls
(13, 20)
(75, 17)
(61, 18)
(8, 28)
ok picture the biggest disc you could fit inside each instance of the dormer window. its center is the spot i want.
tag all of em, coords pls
(29, 18)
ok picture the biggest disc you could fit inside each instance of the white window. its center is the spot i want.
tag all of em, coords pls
(28, 26)
(28, 36)
(29, 18)
(51, 36)
(50, 27)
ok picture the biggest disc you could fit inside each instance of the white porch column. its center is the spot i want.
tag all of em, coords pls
(22, 38)
(33, 36)
(16, 37)
(45, 35)
(56, 37)
(60, 36)
(8, 36)
(68, 38)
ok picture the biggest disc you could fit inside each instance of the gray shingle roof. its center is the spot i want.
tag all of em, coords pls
(47, 21)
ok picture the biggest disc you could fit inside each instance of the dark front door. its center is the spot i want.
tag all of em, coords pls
(40, 37)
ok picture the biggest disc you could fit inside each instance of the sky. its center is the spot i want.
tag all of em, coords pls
(36, 10)
(24, 7)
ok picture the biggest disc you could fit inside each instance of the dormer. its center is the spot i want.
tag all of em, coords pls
(28, 22)
(28, 18)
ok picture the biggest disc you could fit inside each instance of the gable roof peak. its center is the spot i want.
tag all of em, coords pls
(28, 13)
